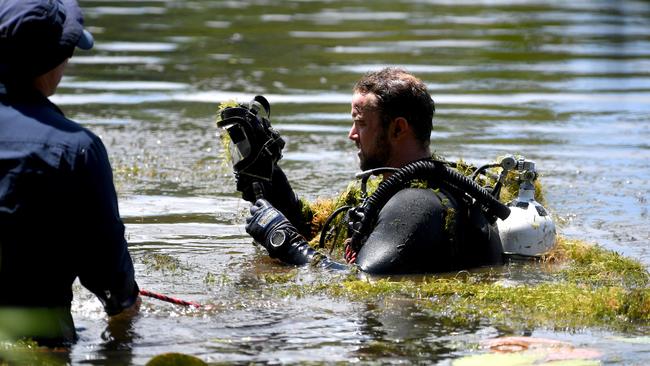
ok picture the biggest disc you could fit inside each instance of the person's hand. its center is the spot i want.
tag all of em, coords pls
(252, 189)
(269, 227)
(129, 312)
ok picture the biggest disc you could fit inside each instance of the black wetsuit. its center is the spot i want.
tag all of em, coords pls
(419, 230)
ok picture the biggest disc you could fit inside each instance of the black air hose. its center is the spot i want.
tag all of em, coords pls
(328, 222)
(434, 172)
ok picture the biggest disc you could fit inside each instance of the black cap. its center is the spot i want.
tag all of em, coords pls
(37, 35)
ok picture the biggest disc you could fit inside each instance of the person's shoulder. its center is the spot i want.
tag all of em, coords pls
(416, 200)
(40, 125)
(61, 129)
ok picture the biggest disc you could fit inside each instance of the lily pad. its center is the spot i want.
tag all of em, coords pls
(175, 359)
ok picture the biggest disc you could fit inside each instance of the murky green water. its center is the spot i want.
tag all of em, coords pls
(564, 83)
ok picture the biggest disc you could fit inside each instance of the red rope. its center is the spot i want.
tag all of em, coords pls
(169, 299)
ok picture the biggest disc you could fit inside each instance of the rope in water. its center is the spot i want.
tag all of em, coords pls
(169, 299)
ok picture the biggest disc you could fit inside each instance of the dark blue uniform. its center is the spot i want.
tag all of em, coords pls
(59, 217)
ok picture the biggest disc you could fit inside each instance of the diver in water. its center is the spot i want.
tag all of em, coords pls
(423, 218)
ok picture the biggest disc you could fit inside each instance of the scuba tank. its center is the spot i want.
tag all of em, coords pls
(529, 230)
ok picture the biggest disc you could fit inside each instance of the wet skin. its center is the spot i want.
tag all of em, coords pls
(368, 133)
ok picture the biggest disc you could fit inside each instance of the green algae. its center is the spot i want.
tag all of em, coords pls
(574, 298)
(162, 262)
(597, 266)
(279, 278)
(224, 137)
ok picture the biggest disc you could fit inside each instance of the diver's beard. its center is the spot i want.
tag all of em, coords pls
(377, 159)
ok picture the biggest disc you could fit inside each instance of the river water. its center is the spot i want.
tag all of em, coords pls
(566, 84)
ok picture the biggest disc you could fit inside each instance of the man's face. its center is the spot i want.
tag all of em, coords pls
(367, 132)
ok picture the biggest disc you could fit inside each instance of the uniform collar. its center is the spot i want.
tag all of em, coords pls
(29, 94)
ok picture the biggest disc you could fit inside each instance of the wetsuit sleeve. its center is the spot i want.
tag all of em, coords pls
(282, 196)
(410, 235)
(300, 253)
(107, 268)
(271, 228)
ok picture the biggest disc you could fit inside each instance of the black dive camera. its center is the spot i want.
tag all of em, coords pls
(255, 146)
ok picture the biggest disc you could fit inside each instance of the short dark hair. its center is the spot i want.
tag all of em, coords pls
(400, 94)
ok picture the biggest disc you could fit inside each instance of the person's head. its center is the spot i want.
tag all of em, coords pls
(392, 113)
(38, 37)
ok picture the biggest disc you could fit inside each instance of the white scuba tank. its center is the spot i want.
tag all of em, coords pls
(529, 230)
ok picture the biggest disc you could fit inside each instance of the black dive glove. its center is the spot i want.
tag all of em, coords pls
(269, 227)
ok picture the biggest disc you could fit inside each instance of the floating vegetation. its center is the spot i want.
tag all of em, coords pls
(161, 262)
(597, 266)
(210, 278)
(590, 287)
(279, 278)
(143, 166)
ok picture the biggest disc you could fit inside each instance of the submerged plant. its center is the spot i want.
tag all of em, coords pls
(161, 262)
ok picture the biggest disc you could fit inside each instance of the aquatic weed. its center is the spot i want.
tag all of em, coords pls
(566, 302)
(592, 264)
(224, 137)
(161, 262)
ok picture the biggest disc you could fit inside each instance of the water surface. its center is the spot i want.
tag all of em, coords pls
(566, 84)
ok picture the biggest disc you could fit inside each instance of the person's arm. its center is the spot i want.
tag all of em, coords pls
(107, 268)
(269, 227)
(279, 193)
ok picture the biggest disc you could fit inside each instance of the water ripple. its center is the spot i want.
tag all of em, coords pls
(115, 10)
(116, 60)
(137, 46)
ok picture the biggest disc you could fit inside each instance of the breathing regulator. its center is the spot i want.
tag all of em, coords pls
(255, 147)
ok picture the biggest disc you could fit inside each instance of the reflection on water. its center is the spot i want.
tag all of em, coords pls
(567, 84)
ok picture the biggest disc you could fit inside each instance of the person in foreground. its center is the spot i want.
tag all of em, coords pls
(59, 216)
(422, 221)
